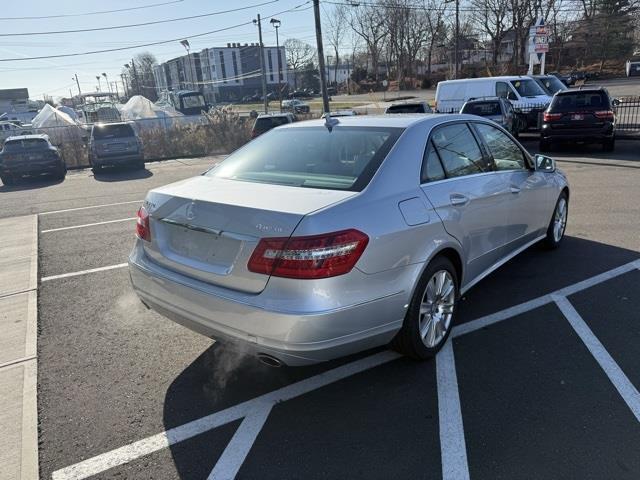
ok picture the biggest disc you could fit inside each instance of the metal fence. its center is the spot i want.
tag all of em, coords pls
(628, 114)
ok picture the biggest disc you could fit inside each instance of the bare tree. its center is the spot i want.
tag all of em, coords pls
(436, 28)
(299, 55)
(336, 21)
(368, 22)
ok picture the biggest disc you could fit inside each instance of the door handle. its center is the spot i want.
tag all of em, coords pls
(514, 189)
(458, 200)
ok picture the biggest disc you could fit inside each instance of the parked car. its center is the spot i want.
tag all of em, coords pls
(340, 113)
(586, 115)
(495, 109)
(299, 94)
(526, 96)
(409, 107)
(30, 155)
(295, 106)
(549, 83)
(115, 144)
(267, 121)
(354, 234)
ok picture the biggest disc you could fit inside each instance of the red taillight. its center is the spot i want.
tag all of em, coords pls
(604, 114)
(317, 256)
(143, 229)
(549, 117)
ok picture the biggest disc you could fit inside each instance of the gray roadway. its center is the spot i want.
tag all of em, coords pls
(534, 402)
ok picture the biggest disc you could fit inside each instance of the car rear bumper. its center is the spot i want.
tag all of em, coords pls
(578, 134)
(257, 325)
(32, 169)
(116, 160)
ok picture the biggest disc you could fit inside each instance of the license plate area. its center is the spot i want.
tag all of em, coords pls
(203, 247)
(577, 117)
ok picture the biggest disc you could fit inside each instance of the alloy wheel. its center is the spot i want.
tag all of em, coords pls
(436, 309)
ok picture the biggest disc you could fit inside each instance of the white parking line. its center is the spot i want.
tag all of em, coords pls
(233, 457)
(128, 453)
(627, 391)
(453, 450)
(51, 212)
(87, 225)
(454, 463)
(83, 272)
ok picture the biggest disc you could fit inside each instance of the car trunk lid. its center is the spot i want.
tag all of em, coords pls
(207, 228)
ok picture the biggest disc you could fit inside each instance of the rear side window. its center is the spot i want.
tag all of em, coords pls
(502, 90)
(458, 150)
(580, 100)
(483, 109)
(409, 108)
(112, 131)
(28, 144)
(431, 166)
(345, 158)
(506, 154)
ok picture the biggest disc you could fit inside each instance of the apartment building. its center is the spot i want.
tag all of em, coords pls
(224, 73)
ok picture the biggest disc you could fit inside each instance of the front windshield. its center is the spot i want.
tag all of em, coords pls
(527, 88)
(551, 84)
(314, 157)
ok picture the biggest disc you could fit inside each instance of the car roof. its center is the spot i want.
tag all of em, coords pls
(273, 115)
(390, 121)
(582, 90)
(32, 136)
(409, 102)
(100, 125)
(484, 99)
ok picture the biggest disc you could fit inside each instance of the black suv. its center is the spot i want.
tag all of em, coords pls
(584, 115)
(31, 155)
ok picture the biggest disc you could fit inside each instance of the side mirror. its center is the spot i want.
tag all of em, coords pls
(615, 102)
(545, 164)
(512, 96)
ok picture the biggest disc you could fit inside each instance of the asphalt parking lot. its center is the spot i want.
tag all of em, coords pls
(540, 380)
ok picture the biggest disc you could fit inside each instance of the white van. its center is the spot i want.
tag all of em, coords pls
(523, 92)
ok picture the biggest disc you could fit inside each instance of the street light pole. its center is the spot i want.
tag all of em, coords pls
(107, 81)
(78, 83)
(276, 24)
(262, 71)
(99, 85)
(323, 83)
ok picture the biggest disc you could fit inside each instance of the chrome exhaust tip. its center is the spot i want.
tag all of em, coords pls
(269, 360)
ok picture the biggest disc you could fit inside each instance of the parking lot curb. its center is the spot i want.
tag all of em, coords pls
(18, 365)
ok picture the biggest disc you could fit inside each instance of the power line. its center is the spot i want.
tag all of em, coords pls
(150, 44)
(131, 25)
(93, 13)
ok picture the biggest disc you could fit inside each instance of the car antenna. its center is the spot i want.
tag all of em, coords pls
(330, 122)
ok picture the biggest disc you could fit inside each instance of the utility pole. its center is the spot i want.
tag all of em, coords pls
(135, 76)
(262, 71)
(78, 83)
(457, 35)
(323, 83)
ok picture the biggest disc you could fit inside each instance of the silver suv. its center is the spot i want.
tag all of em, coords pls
(115, 144)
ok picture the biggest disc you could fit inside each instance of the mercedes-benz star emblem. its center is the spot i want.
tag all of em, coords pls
(191, 211)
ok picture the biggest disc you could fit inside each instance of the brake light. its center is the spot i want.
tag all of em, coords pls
(604, 114)
(549, 117)
(143, 229)
(317, 256)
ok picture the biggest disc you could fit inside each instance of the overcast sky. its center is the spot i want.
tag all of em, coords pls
(54, 76)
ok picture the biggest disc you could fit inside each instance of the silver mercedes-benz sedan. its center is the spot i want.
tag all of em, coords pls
(323, 238)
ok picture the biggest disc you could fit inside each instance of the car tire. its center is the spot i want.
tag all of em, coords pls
(420, 338)
(609, 145)
(545, 145)
(8, 180)
(558, 223)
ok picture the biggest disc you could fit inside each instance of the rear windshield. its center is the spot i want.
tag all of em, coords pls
(313, 157)
(551, 84)
(112, 131)
(267, 123)
(580, 100)
(483, 109)
(527, 88)
(28, 144)
(409, 108)
(192, 101)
